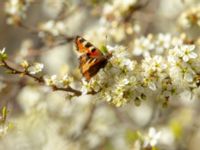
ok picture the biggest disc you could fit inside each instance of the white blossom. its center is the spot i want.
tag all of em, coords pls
(16, 10)
(190, 17)
(85, 87)
(152, 138)
(143, 45)
(50, 80)
(66, 80)
(152, 86)
(2, 86)
(186, 52)
(155, 44)
(3, 130)
(163, 42)
(2, 52)
(35, 68)
(53, 27)
(116, 81)
(3, 55)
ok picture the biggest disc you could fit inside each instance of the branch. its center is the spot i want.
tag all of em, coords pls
(37, 31)
(86, 124)
(133, 8)
(41, 80)
(17, 71)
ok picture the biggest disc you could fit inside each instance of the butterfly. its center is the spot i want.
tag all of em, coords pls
(92, 59)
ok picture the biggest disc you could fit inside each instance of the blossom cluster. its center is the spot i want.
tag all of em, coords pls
(32, 69)
(116, 81)
(15, 9)
(190, 18)
(124, 80)
(113, 22)
(152, 68)
(155, 44)
(61, 82)
(54, 28)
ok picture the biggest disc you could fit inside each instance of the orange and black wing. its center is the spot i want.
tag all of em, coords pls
(90, 66)
(83, 46)
(92, 59)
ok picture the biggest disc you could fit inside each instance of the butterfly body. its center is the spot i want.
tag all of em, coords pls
(92, 59)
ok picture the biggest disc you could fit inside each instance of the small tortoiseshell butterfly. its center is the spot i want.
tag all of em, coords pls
(92, 59)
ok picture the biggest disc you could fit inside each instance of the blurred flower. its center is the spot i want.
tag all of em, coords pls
(66, 80)
(168, 67)
(111, 22)
(155, 44)
(16, 10)
(163, 42)
(152, 138)
(29, 97)
(118, 7)
(3, 130)
(25, 50)
(2, 51)
(190, 17)
(3, 55)
(86, 87)
(2, 86)
(53, 7)
(143, 45)
(35, 68)
(167, 138)
(58, 81)
(50, 80)
(24, 64)
(186, 52)
(179, 61)
(53, 27)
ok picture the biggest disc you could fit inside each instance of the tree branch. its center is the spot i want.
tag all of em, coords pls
(42, 81)
(133, 8)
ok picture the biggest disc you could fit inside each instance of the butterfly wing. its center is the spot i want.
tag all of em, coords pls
(90, 66)
(83, 46)
(80, 42)
(92, 59)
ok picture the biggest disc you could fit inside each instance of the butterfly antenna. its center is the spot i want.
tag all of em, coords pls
(106, 40)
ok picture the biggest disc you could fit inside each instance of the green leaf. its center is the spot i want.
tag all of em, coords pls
(3, 57)
(4, 114)
(104, 49)
(10, 72)
(108, 146)
(176, 128)
(10, 126)
(131, 136)
(154, 148)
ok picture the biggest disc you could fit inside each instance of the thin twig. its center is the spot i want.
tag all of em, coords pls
(125, 119)
(133, 8)
(41, 80)
(86, 124)
(64, 38)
